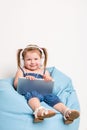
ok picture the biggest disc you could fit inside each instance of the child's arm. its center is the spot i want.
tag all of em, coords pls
(19, 73)
(47, 76)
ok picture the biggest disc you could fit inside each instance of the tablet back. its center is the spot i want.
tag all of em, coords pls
(39, 85)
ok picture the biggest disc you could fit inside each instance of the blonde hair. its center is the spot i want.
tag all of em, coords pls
(22, 52)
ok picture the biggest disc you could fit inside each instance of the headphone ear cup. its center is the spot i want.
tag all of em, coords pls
(42, 61)
(22, 63)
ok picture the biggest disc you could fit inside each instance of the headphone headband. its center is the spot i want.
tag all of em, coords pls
(37, 47)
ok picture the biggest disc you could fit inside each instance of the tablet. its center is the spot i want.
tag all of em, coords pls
(39, 85)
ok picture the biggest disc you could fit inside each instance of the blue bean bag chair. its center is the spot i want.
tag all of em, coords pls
(15, 114)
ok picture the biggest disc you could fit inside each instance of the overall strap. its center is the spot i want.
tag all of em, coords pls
(44, 71)
(22, 71)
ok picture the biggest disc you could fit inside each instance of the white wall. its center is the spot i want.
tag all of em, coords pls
(58, 25)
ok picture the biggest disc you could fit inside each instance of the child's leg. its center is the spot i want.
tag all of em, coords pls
(55, 102)
(69, 115)
(34, 103)
(60, 107)
(40, 112)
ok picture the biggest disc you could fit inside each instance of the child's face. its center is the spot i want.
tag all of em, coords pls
(32, 60)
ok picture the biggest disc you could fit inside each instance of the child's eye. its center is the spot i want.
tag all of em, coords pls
(28, 59)
(36, 58)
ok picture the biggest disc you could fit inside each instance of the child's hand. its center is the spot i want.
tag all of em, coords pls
(30, 77)
(47, 77)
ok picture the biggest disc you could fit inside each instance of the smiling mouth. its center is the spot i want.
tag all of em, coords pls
(33, 66)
